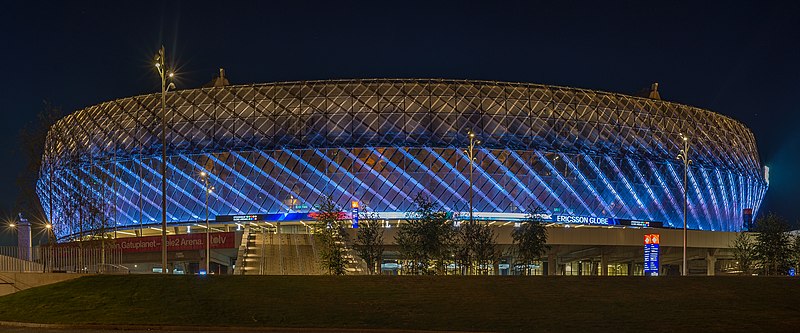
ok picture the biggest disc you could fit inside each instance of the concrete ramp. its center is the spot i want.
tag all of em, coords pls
(13, 282)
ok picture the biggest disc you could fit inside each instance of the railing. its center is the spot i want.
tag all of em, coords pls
(59, 258)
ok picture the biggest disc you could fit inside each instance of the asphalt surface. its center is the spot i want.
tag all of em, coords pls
(252, 330)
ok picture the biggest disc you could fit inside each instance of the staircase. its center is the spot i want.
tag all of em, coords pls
(264, 252)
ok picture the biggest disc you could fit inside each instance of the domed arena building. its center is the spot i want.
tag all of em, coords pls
(273, 152)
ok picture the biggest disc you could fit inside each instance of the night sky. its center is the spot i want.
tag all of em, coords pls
(741, 59)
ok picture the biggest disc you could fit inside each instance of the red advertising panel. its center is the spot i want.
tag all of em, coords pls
(219, 240)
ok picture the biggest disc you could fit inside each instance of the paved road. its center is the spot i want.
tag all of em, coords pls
(44, 330)
(5, 329)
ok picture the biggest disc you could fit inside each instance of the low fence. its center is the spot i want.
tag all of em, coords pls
(59, 258)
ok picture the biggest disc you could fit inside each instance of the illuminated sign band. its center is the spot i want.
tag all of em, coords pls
(245, 217)
(584, 220)
(641, 223)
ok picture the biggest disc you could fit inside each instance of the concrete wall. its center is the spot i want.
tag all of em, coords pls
(14, 282)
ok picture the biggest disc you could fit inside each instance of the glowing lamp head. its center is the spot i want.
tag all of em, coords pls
(171, 74)
(48, 226)
(354, 204)
(12, 225)
(158, 65)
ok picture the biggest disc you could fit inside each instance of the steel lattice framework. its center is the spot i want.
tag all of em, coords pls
(281, 147)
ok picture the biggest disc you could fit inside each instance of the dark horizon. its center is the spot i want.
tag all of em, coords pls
(734, 58)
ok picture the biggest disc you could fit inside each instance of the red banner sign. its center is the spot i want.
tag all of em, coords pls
(219, 240)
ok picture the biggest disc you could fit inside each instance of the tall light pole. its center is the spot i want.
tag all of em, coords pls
(684, 156)
(208, 189)
(472, 143)
(165, 75)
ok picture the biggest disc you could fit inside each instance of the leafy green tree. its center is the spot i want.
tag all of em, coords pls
(773, 244)
(744, 252)
(485, 248)
(369, 242)
(795, 252)
(330, 234)
(425, 240)
(475, 247)
(530, 240)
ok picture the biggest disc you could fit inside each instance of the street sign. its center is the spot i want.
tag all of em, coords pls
(354, 205)
(651, 251)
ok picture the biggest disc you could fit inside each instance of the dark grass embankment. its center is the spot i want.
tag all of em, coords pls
(513, 304)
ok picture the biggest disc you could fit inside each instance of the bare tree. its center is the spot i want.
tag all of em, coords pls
(33, 138)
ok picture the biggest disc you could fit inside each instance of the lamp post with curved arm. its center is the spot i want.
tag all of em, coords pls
(165, 76)
(471, 151)
(684, 157)
(207, 189)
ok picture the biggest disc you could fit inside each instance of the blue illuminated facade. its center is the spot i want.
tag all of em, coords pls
(281, 147)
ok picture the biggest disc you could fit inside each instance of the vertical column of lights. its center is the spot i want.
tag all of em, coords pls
(165, 75)
(737, 208)
(724, 194)
(684, 156)
(710, 187)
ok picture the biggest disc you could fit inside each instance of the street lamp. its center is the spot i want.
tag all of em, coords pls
(208, 189)
(48, 227)
(684, 156)
(472, 143)
(165, 75)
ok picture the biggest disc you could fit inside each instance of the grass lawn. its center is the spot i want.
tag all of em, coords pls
(511, 304)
